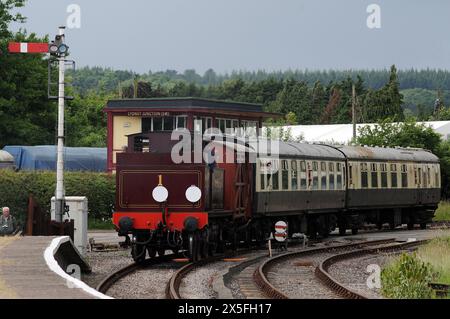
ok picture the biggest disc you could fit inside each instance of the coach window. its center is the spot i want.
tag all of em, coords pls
(285, 174)
(331, 175)
(364, 176)
(394, 182)
(275, 178)
(404, 176)
(436, 176)
(339, 184)
(350, 174)
(303, 184)
(294, 175)
(323, 175)
(315, 179)
(374, 175)
(262, 175)
(384, 179)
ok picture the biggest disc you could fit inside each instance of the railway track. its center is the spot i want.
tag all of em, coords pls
(322, 271)
(113, 278)
(259, 272)
(260, 275)
(173, 286)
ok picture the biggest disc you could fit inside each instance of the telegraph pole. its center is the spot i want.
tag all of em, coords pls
(354, 112)
(59, 196)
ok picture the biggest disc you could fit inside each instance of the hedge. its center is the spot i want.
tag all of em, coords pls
(15, 188)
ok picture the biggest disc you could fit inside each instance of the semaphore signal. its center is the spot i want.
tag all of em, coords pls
(58, 49)
(23, 47)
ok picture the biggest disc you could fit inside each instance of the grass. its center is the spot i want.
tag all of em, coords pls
(437, 254)
(443, 212)
(408, 276)
(98, 224)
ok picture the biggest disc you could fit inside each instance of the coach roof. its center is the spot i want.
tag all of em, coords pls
(304, 150)
(388, 154)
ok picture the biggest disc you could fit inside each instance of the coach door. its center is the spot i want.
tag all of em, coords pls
(243, 191)
(418, 182)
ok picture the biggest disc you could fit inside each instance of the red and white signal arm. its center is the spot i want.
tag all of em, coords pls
(24, 47)
(281, 229)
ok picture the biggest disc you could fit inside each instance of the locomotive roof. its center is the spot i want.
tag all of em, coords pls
(388, 154)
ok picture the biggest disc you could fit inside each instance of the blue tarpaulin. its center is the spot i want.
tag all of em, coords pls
(43, 158)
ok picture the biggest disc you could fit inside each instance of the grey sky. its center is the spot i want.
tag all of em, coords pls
(228, 35)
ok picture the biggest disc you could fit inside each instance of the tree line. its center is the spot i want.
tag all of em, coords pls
(27, 117)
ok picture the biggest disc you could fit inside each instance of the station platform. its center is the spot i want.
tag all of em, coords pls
(35, 268)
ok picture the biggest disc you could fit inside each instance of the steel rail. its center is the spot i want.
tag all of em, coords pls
(113, 278)
(260, 275)
(323, 274)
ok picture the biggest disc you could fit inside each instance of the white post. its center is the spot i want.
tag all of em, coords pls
(60, 152)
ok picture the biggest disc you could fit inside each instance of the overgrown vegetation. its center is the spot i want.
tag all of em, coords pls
(443, 212)
(100, 224)
(15, 189)
(409, 276)
(437, 254)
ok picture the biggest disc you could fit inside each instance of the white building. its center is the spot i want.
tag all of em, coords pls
(343, 133)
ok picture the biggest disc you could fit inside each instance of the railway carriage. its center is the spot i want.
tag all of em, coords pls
(202, 208)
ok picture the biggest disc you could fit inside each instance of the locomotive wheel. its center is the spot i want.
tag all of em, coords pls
(410, 226)
(161, 252)
(423, 226)
(194, 246)
(234, 241)
(342, 225)
(204, 251)
(151, 252)
(138, 253)
(355, 231)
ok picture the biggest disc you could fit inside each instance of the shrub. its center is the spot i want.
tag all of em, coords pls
(407, 277)
(16, 187)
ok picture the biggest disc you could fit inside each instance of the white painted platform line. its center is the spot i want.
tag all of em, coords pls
(49, 256)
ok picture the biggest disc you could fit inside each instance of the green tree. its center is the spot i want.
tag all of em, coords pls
(386, 102)
(26, 115)
(7, 16)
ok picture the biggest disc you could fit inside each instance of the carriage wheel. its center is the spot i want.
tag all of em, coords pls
(161, 252)
(138, 253)
(151, 252)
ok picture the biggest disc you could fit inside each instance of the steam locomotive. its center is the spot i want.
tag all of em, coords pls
(200, 207)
